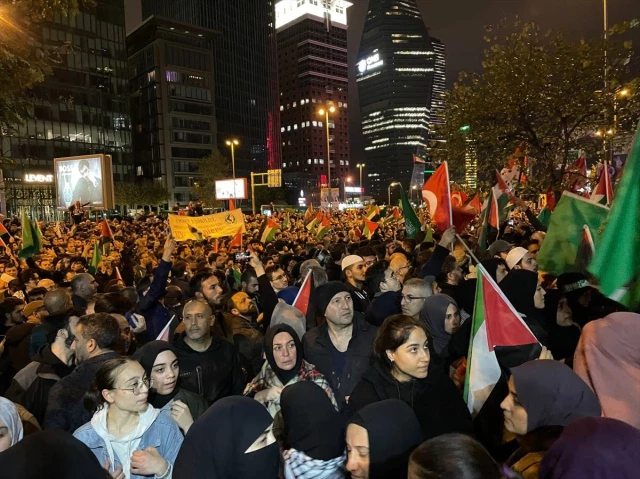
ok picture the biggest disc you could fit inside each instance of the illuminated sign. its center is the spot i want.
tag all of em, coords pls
(353, 189)
(36, 178)
(227, 189)
(370, 63)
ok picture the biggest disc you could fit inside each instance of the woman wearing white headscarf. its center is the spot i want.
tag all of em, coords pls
(10, 424)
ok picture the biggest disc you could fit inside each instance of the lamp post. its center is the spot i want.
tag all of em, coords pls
(360, 166)
(395, 183)
(233, 143)
(325, 112)
(346, 180)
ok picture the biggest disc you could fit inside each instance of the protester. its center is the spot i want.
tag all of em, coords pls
(608, 360)
(381, 279)
(496, 267)
(594, 448)
(284, 366)
(544, 397)
(341, 346)
(10, 425)
(241, 326)
(401, 370)
(96, 337)
(126, 433)
(380, 438)
(160, 363)
(414, 293)
(520, 258)
(311, 434)
(441, 317)
(353, 275)
(232, 440)
(209, 365)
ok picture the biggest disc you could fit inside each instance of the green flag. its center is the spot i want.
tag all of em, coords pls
(616, 262)
(237, 277)
(559, 251)
(545, 216)
(31, 237)
(428, 237)
(411, 221)
(95, 260)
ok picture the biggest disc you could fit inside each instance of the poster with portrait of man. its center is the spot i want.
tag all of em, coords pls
(86, 179)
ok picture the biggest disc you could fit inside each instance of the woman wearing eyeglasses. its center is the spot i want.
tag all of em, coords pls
(130, 438)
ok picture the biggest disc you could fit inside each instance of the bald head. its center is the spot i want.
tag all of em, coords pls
(57, 301)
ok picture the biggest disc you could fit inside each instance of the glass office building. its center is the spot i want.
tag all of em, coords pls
(245, 74)
(81, 109)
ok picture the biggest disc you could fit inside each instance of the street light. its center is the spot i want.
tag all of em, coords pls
(233, 143)
(325, 112)
(346, 180)
(360, 166)
(395, 183)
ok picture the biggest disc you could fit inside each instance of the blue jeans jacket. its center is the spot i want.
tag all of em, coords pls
(164, 434)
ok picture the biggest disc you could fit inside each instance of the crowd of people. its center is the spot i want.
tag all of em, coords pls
(196, 360)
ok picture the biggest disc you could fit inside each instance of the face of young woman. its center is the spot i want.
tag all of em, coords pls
(284, 351)
(358, 460)
(5, 437)
(515, 415)
(452, 319)
(165, 373)
(129, 391)
(538, 297)
(411, 359)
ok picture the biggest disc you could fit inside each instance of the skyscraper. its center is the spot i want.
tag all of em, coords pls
(313, 74)
(439, 82)
(395, 76)
(81, 109)
(245, 74)
(172, 107)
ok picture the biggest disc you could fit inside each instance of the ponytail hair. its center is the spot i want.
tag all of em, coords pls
(105, 379)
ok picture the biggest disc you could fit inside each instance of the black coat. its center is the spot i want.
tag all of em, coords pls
(214, 373)
(316, 345)
(435, 399)
(382, 306)
(66, 408)
(32, 385)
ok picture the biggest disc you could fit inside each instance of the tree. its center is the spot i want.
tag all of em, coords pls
(540, 91)
(210, 169)
(148, 193)
(265, 195)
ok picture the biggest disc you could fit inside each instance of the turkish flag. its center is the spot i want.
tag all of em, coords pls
(437, 195)
(475, 203)
(458, 198)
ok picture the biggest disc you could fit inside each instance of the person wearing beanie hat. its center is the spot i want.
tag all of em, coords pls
(340, 347)
(520, 258)
(354, 272)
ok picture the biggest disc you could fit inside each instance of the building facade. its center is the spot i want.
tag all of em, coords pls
(81, 109)
(171, 68)
(395, 72)
(313, 75)
(245, 74)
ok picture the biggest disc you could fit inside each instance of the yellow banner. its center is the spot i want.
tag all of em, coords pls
(209, 226)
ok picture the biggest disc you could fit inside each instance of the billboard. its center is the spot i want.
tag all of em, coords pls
(329, 197)
(87, 179)
(232, 189)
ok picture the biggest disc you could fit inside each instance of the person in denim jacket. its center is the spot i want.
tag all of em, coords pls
(130, 438)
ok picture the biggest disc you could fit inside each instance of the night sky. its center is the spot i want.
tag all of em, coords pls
(460, 25)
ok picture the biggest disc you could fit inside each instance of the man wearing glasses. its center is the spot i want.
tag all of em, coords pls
(277, 277)
(414, 293)
(382, 280)
(96, 337)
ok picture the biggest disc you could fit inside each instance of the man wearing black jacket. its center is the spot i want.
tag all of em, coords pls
(209, 365)
(340, 347)
(31, 386)
(386, 287)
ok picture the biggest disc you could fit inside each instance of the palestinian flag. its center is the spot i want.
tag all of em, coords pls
(308, 215)
(269, 230)
(559, 251)
(586, 250)
(96, 259)
(237, 239)
(315, 222)
(499, 339)
(394, 216)
(603, 192)
(3, 230)
(323, 228)
(305, 301)
(575, 176)
(369, 228)
(503, 196)
(372, 212)
(490, 222)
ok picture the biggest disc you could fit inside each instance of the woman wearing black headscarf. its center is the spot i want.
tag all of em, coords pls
(284, 366)
(380, 439)
(232, 440)
(496, 267)
(441, 316)
(312, 433)
(160, 362)
(544, 397)
(523, 289)
(564, 333)
(401, 369)
(51, 453)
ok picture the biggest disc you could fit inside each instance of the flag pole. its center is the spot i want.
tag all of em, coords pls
(467, 248)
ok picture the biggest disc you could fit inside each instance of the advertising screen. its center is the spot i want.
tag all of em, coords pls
(225, 189)
(85, 179)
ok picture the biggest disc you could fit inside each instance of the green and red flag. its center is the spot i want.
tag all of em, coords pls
(544, 216)
(323, 228)
(603, 192)
(308, 215)
(616, 262)
(369, 228)
(96, 258)
(269, 230)
(372, 212)
(499, 338)
(237, 239)
(314, 222)
(490, 222)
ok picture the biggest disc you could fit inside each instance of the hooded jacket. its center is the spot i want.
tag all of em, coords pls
(154, 430)
(214, 373)
(31, 386)
(435, 399)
